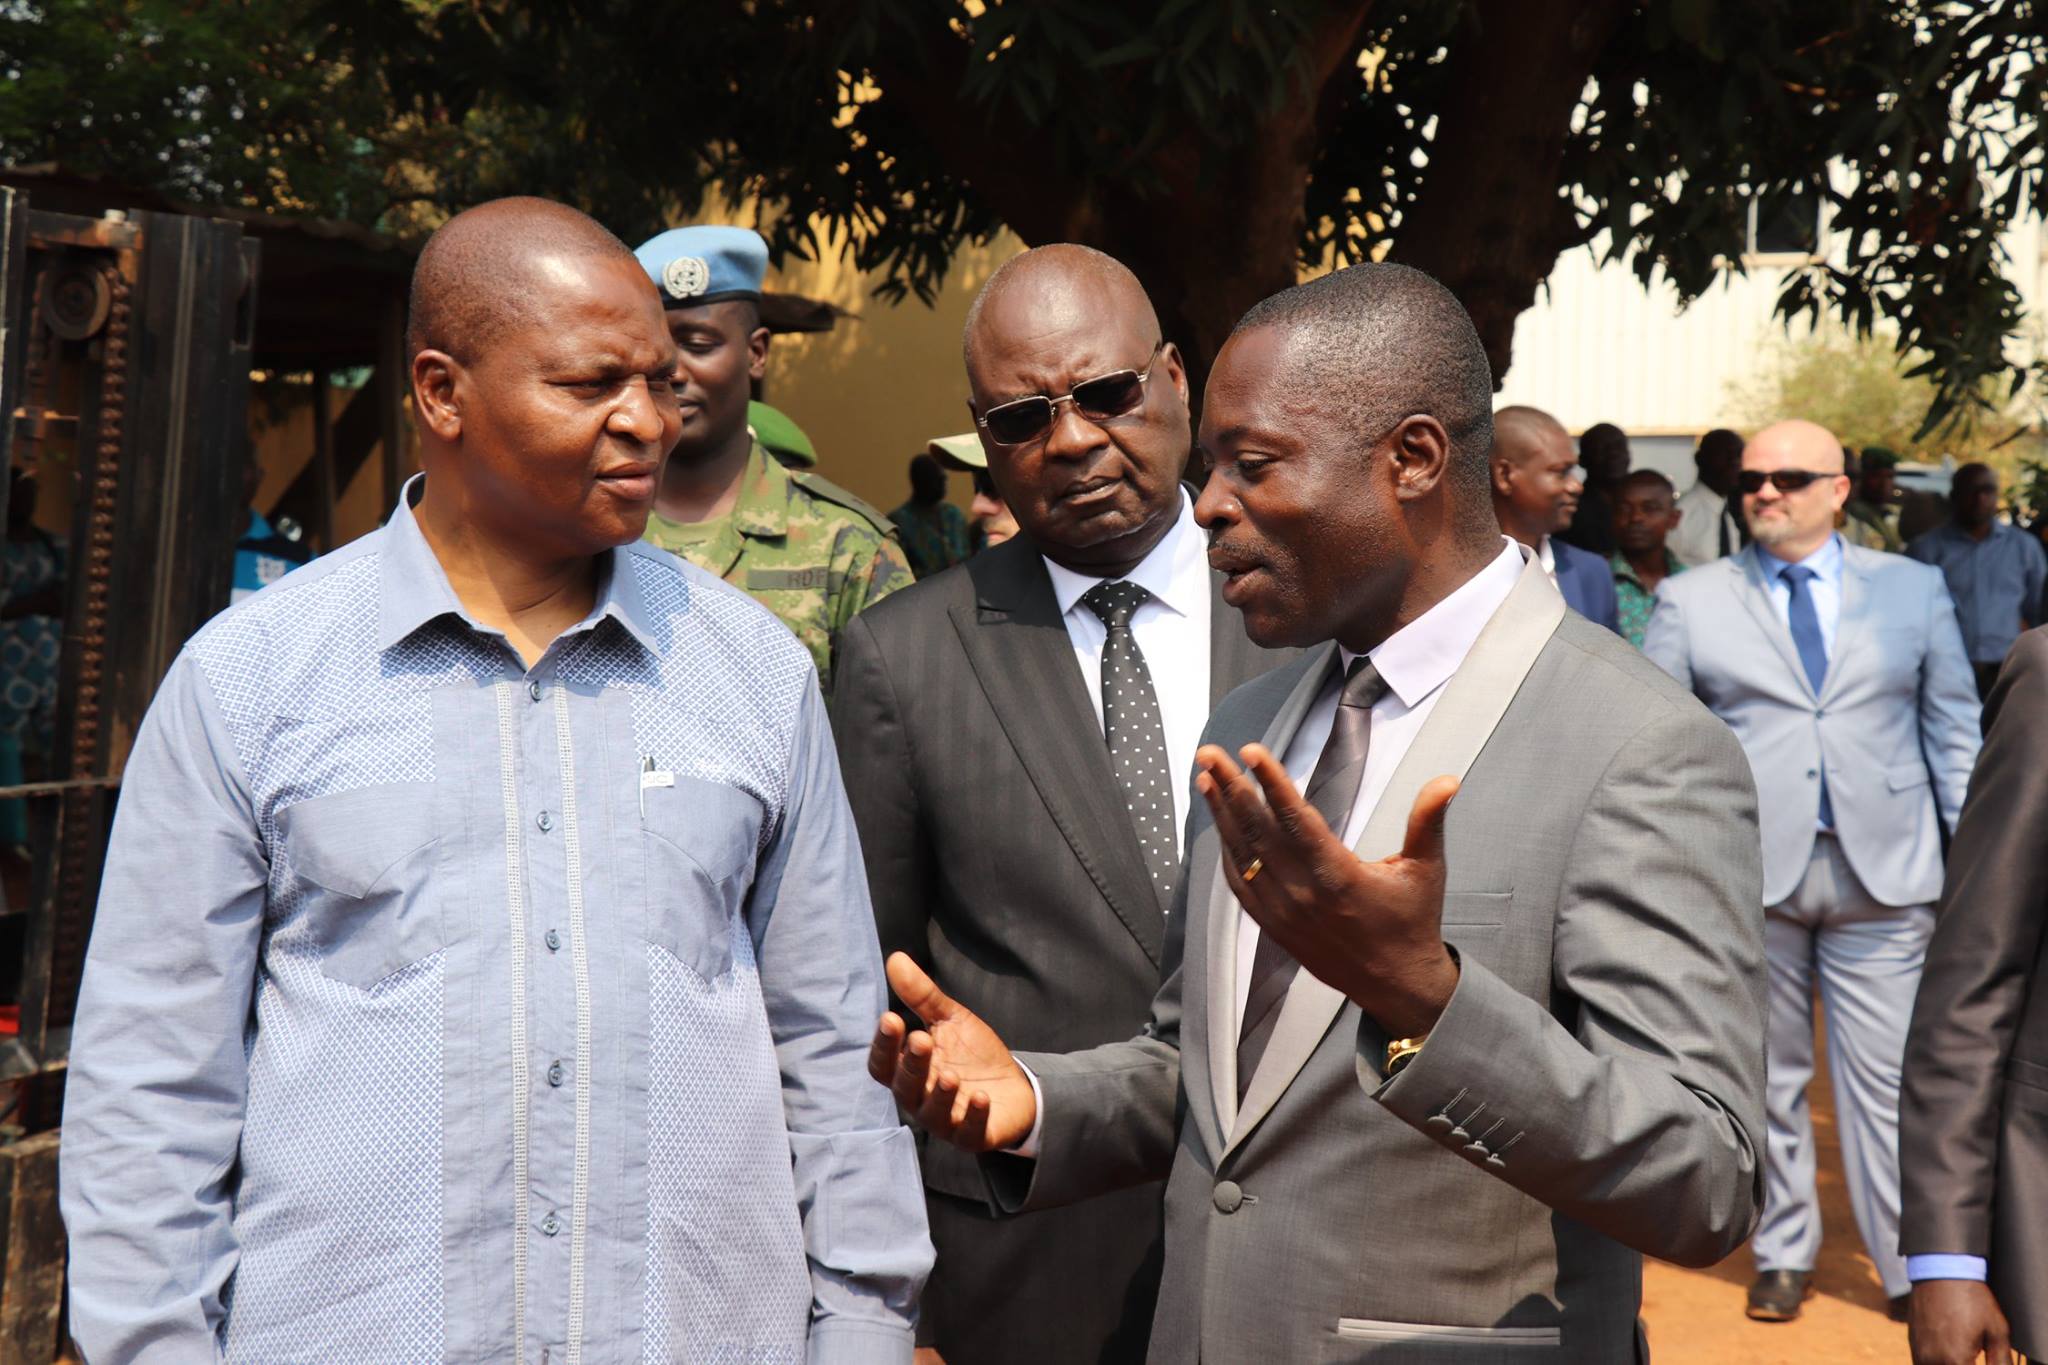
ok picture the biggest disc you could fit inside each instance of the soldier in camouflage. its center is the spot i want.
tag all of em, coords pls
(809, 551)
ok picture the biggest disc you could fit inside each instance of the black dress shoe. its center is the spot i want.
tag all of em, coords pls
(1899, 1309)
(1775, 1295)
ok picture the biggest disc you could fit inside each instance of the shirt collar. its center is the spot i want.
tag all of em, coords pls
(1627, 572)
(1547, 556)
(1176, 571)
(413, 588)
(1826, 562)
(1948, 530)
(1421, 656)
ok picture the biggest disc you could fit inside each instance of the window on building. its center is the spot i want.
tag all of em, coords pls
(1792, 229)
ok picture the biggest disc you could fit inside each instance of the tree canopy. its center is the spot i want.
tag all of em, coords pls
(1217, 146)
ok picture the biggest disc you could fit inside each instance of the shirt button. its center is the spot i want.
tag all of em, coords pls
(555, 1074)
(550, 1225)
(553, 938)
(545, 821)
(533, 689)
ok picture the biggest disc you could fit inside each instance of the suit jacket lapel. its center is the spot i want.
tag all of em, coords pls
(1850, 620)
(1220, 936)
(1757, 598)
(1458, 727)
(1024, 660)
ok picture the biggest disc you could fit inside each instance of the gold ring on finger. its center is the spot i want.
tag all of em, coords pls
(1251, 871)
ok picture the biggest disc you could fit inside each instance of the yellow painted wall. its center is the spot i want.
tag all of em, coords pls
(875, 388)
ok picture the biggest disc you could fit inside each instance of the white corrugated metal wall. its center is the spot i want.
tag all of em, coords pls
(1598, 347)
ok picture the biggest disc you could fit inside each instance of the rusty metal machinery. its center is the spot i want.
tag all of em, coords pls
(124, 370)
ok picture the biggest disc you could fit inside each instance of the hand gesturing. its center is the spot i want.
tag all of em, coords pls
(1373, 930)
(956, 1081)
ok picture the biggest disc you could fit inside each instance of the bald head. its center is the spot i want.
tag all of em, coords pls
(1795, 444)
(475, 276)
(1053, 288)
(1521, 434)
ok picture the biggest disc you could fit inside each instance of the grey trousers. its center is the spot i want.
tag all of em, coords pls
(1867, 958)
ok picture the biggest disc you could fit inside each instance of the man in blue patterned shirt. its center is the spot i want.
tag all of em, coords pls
(484, 963)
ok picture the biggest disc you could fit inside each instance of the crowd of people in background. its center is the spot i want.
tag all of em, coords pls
(1403, 845)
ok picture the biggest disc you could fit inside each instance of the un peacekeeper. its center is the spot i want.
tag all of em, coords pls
(805, 548)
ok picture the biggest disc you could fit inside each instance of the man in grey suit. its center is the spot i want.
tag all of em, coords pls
(1016, 736)
(1524, 1048)
(1842, 672)
(1973, 1111)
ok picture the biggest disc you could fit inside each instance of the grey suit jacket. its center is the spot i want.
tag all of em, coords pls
(1001, 858)
(1973, 1112)
(1894, 722)
(1594, 1090)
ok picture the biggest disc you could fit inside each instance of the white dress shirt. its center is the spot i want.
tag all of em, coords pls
(1172, 631)
(1545, 556)
(1825, 589)
(1415, 661)
(1697, 540)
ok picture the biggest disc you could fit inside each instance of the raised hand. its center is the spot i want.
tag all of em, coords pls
(1372, 930)
(954, 1077)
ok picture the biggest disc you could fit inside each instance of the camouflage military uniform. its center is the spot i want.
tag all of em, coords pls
(803, 547)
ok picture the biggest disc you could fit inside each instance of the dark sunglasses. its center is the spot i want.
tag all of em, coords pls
(1023, 420)
(1787, 480)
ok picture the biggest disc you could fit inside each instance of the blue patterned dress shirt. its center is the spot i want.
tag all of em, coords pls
(443, 1009)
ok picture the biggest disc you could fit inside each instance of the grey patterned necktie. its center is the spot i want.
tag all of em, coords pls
(1332, 791)
(1137, 739)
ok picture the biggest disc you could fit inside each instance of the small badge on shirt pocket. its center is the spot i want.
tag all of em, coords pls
(698, 840)
(370, 856)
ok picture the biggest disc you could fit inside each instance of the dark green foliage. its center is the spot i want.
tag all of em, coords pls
(915, 127)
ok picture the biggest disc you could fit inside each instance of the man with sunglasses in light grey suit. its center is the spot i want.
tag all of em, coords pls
(1843, 673)
(1017, 734)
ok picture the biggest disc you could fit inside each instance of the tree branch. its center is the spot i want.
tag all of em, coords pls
(1492, 217)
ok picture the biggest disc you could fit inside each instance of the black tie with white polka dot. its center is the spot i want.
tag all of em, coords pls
(1137, 739)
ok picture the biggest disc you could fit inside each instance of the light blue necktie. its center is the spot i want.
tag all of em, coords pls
(1813, 653)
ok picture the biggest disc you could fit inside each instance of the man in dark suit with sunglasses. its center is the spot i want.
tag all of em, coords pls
(1842, 672)
(1017, 735)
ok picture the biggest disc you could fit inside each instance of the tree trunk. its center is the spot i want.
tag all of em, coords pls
(1227, 231)
(1492, 218)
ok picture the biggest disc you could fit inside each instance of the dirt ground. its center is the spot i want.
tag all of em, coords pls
(1695, 1316)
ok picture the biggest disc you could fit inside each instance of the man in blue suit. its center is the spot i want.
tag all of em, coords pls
(1843, 673)
(1536, 488)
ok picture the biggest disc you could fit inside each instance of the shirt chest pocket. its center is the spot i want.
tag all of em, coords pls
(698, 844)
(369, 863)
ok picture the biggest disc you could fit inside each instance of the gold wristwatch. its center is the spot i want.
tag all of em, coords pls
(1401, 1051)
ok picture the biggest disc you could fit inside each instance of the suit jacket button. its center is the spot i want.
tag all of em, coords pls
(1228, 1197)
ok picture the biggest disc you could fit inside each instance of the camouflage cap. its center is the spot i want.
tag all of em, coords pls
(959, 452)
(784, 439)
